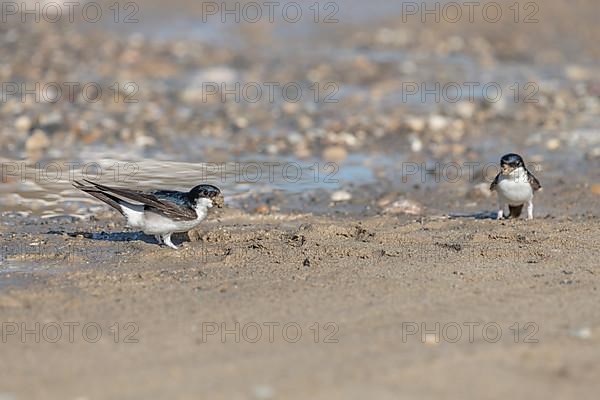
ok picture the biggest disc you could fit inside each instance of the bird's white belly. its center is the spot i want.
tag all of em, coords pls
(154, 224)
(515, 192)
(134, 214)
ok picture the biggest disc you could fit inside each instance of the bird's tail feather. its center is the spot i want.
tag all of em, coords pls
(109, 199)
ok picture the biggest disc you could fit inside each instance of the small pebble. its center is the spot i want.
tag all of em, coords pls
(437, 122)
(262, 209)
(263, 392)
(404, 206)
(387, 199)
(241, 122)
(593, 153)
(582, 333)
(431, 339)
(578, 73)
(553, 144)
(23, 123)
(335, 153)
(465, 109)
(416, 124)
(37, 141)
(341, 195)
(416, 145)
(272, 149)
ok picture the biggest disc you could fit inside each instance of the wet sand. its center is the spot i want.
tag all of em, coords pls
(369, 284)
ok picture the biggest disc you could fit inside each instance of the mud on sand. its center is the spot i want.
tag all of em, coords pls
(282, 307)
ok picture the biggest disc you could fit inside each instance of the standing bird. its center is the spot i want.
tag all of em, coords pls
(515, 186)
(161, 212)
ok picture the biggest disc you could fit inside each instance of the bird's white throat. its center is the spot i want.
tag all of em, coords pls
(202, 206)
(517, 175)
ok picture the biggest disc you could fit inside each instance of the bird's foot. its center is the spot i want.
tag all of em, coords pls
(167, 240)
(530, 210)
(158, 239)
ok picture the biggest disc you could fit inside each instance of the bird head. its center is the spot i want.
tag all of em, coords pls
(510, 162)
(208, 192)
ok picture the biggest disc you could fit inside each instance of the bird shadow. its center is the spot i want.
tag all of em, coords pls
(119, 236)
(475, 215)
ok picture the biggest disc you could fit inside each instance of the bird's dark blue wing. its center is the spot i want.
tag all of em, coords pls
(495, 182)
(169, 205)
(535, 184)
(179, 198)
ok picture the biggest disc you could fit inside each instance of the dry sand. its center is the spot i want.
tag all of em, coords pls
(359, 291)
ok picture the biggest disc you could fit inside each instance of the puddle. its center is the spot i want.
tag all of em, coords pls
(45, 188)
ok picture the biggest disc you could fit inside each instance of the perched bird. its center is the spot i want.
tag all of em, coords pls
(515, 186)
(161, 212)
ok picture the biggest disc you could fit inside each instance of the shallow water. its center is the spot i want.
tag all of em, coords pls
(45, 188)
